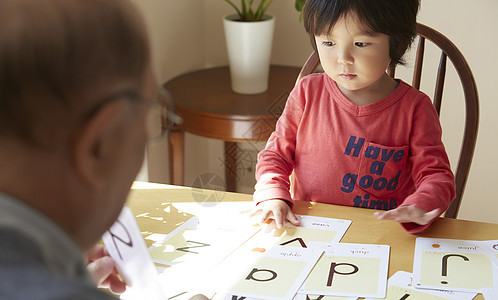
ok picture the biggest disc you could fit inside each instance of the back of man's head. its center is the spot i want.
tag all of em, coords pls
(55, 53)
(69, 146)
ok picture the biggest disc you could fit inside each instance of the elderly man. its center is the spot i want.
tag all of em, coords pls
(75, 89)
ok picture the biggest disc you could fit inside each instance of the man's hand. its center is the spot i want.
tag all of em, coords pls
(275, 209)
(103, 270)
(408, 214)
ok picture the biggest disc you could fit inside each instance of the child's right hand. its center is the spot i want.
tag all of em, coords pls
(275, 209)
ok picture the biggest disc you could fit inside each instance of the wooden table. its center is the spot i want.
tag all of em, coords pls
(154, 207)
(211, 109)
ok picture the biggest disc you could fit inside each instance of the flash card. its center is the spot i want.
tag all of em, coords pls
(193, 250)
(296, 297)
(458, 265)
(276, 273)
(490, 294)
(354, 270)
(126, 246)
(491, 247)
(399, 286)
(321, 297)
(311, 231)
(191, 241)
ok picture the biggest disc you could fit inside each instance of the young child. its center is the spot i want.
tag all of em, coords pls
(353, 135)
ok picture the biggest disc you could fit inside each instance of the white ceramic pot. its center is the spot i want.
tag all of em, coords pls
(249, 51)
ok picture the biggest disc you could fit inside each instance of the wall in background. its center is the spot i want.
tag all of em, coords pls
(188, 35)
(472, 27)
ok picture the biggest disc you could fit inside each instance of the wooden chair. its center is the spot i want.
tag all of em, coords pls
(448, 50)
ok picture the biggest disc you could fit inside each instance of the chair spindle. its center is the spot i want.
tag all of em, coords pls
(438, 91)
(419, 61)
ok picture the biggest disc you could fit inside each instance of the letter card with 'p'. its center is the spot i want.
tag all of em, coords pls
(353, 270)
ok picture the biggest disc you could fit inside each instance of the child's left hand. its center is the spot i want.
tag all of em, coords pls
(408, 214)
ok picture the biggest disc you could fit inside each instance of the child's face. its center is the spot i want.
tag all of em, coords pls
(355, 58)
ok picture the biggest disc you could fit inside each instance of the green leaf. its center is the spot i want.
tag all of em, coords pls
(248, 13)
(235, 7)
(299, 4)
(244, 9)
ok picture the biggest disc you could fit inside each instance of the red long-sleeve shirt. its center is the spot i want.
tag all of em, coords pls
(378, 156)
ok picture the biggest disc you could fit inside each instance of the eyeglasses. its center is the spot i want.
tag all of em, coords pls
(162, 116)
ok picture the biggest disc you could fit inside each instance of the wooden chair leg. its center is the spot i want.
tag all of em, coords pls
(176, 156)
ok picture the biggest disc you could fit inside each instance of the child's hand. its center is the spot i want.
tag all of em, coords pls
(275, 209)
(408, 214)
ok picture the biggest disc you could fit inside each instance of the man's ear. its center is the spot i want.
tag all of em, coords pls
(95, 144)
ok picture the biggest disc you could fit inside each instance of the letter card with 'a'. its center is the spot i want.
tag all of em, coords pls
(274, 274)
(458, 265)
(354, 270)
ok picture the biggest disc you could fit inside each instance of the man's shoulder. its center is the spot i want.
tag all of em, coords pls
(31, 281)
(23, 274)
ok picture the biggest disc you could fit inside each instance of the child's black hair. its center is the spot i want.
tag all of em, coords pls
(395, 18)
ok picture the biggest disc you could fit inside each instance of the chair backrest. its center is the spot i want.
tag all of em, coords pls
(448, 50)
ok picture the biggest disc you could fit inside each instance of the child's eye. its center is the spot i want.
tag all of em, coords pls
(361, 44)
(328, 44)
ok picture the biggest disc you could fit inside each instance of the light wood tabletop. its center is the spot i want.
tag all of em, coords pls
(162, 208)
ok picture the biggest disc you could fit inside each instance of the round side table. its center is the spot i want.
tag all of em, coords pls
(211, 109)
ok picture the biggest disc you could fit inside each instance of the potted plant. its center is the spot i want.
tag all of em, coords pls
(249, 37)
(247, 13)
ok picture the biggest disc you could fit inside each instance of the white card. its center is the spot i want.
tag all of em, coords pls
(313, 230)
(490, 294)
(194, 249)
(458, 265)
(321, 297)
(296, 297)
(126, 246)
(491, 247)
(195, 240)
(399, 286)
(274, 274)
(353, 270)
